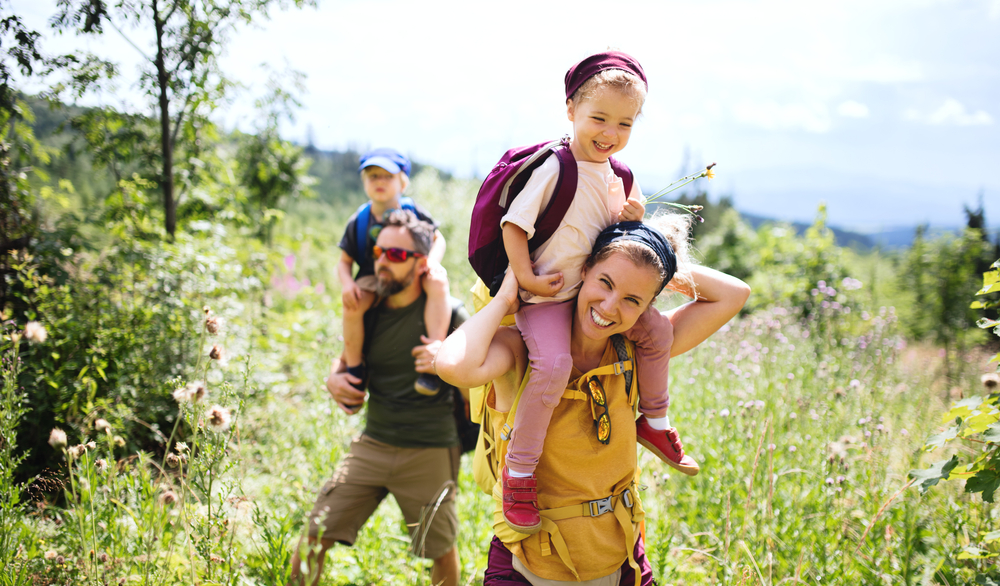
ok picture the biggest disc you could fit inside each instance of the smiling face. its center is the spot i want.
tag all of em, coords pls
(614, 294)
(602, 124)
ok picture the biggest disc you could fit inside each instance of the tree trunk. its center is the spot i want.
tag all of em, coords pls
(166, 144)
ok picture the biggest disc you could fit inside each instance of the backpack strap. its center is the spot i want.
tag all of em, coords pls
(622, 170)
(363, 220)
(565, 191)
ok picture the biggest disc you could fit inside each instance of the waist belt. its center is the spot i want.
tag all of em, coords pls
(620, 505)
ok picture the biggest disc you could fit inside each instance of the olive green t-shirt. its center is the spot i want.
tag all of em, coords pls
(397, 414)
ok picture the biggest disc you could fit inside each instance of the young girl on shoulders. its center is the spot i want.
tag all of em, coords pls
(604, 97)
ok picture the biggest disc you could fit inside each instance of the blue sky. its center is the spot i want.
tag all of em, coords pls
(887, 110)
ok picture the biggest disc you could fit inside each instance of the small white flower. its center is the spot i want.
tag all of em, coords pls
(102, 425)
(181, 447)
(218, 418)
(51, 554)
(57, 438)
(35, 332)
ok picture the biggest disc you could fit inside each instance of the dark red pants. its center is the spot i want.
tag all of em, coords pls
(500, 569)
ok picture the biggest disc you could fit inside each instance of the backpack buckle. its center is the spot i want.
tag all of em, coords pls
(600, 506)
(627, 498)
(619, 367)
(505, 432)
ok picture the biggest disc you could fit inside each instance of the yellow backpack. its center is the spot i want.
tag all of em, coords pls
(490, 450)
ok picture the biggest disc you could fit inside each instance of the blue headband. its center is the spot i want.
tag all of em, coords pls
(643, 234)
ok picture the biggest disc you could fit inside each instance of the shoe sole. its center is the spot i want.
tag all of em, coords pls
(425, 391)
(526, 530)
(690, 471)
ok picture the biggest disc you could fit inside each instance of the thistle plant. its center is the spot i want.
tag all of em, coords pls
(691, 209)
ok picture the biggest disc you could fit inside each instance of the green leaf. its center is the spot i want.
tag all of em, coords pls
(992, 433)
(984, 322)
(977, 423)
(974, 553)
(985, 481)
(991, 536)
(936, 441)
(964, 408)
(937, 471)
(976, 305)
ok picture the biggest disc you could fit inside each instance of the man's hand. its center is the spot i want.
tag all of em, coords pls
(347, 397)
(423, 355)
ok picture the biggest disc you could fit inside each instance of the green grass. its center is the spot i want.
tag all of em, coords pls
(805, 433)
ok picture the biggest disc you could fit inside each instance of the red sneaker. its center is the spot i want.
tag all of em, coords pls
(666, 444)
(520, 503)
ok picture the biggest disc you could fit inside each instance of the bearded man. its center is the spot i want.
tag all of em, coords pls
(410, 445)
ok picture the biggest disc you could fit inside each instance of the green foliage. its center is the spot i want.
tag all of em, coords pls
(940, 275)
(119, 328)
(974, 421)
(180, 75)
(14, 532)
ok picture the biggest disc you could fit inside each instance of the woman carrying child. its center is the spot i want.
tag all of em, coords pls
(385, 175)
(588, 471)
(604, 97)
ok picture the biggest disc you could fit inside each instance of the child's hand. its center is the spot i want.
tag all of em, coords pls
(350, 296)
(543, 285)
(632, 212)
(435, 280)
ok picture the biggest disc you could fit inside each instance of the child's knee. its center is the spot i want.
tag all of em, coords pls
(553, 376)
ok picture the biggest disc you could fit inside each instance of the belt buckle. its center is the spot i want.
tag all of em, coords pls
(600, 506)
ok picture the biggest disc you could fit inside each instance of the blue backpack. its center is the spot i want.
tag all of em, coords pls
(508, 177)
(364, 217)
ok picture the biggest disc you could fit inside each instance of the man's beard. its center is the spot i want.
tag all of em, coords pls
(387, 285)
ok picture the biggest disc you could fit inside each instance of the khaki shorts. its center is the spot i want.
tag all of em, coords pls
(372, 470)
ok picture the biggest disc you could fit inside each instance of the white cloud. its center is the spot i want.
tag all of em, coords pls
(852, 109)
(952, 112)
(771, 115)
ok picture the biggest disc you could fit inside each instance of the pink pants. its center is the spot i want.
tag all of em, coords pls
(546, 329)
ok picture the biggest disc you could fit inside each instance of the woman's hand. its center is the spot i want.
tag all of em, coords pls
(508, 294)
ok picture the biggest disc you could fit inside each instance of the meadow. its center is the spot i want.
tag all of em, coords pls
(806, 414)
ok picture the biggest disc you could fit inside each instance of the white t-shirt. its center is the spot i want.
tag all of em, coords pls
(600, 197)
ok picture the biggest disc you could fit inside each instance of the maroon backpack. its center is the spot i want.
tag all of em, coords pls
(508, 177)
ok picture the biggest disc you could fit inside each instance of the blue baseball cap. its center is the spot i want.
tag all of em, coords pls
(391, 160)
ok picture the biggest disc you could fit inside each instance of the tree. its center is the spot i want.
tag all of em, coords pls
(19, 50)
(181, 78)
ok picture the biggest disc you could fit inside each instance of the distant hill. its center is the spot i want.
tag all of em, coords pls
(841, 237)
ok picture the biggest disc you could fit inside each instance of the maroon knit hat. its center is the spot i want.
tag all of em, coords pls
(597, 63)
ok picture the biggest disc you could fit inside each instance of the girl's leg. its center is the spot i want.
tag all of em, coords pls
(546, 332)
(653, 335)
(545, 328)
(437, 319)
